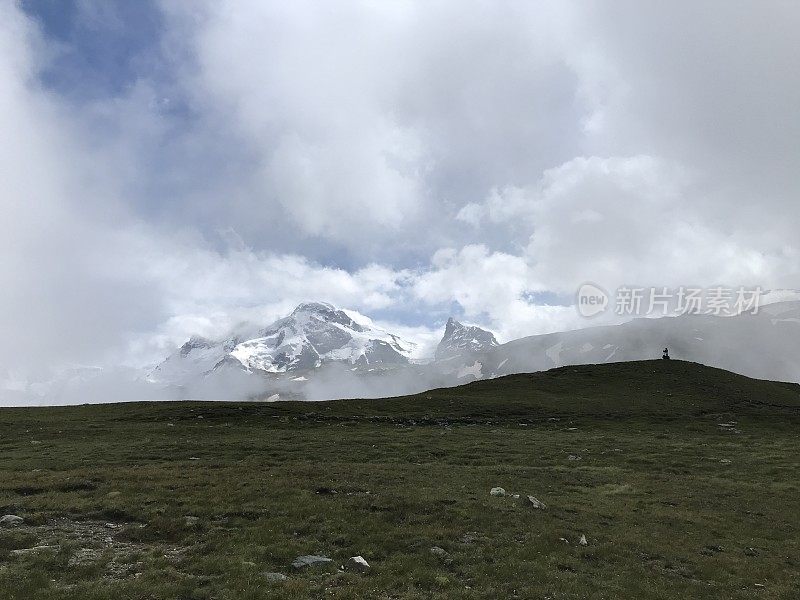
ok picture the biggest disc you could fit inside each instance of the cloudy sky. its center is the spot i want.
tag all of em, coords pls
(171, 168)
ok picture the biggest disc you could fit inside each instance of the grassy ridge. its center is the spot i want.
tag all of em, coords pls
(683, 478)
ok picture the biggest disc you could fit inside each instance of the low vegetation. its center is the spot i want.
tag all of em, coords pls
(684, 480)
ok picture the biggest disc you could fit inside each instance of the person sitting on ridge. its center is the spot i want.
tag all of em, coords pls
(665, 356)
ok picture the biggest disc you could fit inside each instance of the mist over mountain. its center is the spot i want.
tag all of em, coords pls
(320, 352)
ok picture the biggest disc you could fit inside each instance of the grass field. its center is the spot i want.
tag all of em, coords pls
(684, 479)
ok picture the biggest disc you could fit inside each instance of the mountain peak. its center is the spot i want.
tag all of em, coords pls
(460, 340)
(314, 307)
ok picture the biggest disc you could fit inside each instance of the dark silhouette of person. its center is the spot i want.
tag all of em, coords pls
(665, 356)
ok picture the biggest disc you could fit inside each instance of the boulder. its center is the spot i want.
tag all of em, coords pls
(357, 563)
(583, 541)
(497, 491)
(11, 521)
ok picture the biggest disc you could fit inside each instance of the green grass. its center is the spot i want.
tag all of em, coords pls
(108, 488)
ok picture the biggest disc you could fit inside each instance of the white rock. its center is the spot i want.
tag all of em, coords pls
(275, 577)
(535, 503)
(11, 521)
(583, 541)
(357, 563)
(310, 560)
(497, 491)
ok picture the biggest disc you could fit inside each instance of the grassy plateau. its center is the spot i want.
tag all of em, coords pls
(684, 480)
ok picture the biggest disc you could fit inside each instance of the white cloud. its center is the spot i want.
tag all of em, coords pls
(391, 158)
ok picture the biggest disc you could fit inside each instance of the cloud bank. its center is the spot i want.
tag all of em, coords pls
(407, 160)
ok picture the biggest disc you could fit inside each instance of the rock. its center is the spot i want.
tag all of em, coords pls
(11, 521)
(310, 560)
(563, 539)
(582, 541)
(357, 563)
(573, 457)
(533, 502)
(515, 496)
(275, 577)
(726, 461)
(191, 521)
(440, 552)
(35, 550)
(114, 494)
(497, 491)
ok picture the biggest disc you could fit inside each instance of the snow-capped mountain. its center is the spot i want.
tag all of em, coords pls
(295, 354)
(196, 357)
(315, 334)
(463, 340)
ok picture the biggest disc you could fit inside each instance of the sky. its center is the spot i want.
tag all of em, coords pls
(171, 168)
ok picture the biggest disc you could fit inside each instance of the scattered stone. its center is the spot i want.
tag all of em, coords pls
(750, 551)
(573, 457)
(114, 494)
(192, 521)
(325, 491)
(11, 521)
(275, 577)
(193, 458)
(357, 563)
(563, 539)
(439, 552)
(310, 560)
(535, 503)
(469, 538)
(583, 541)
(34, 550)
(497, 491)
(515, 496)
(725, 461)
